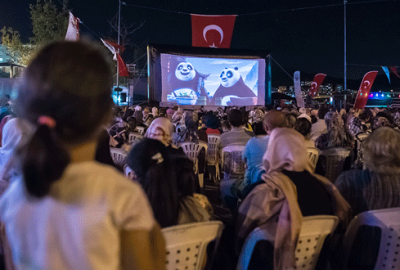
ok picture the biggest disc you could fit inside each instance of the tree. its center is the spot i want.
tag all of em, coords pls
(48, 22)
(13, 47)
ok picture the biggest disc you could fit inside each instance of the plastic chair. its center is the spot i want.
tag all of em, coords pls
(360, 156)
(192, 151)
(140, 130)
(313, 155)
(118, 155)
(187, 244)
(314, 230)
(335, 160)
(232, 160)
(372, 240)
(212, 156)
(133, 136)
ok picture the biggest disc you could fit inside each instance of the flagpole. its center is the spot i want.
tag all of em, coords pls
(119, 32)
(345, 55)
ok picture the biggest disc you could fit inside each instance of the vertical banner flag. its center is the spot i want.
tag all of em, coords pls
(387, 72)
(116, 49)
(318, 79)
(73, 28)
(364, 90)
(297, 89)
(213, 31)
(394, 70)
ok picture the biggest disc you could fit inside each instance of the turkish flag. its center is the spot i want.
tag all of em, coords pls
(213, 31)
(73, 28)
(123, 72)
(394, 70)
(365, 88)
(318, 79)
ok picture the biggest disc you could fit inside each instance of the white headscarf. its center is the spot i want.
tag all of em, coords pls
(161, 124)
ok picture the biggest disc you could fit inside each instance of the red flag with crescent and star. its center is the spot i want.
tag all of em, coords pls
(394, 70)
(318, 79)
(365, 88)
(213, 31)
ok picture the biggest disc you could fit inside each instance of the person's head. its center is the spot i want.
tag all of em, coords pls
(235, 118)
(258, 115)
(382, 150)
(322, 112)
(303, 126)
(212, 121)
(274, 119)
(313, 119)
(146, 111)
(333, 121)
(366, 115)
(191, 121)
(132, 123)
(290, 120)
(160, 129)
(66, 93)
(154, 111)
(380, 121)
(162, 112)
(153, 169)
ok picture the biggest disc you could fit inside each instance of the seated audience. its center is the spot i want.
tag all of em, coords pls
(237, 135)
(303, 126)
(377, 186)
(64, 210)
(169, 187)
(212, 124)
(258, 126)
(290, 189)
(319, 127)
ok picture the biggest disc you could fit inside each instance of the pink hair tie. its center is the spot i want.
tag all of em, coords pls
(47, 121)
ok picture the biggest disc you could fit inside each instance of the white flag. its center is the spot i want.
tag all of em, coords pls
(297, 89)
(73, 28)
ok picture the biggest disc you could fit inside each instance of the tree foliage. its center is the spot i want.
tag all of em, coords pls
(13, 47)
(49, 23)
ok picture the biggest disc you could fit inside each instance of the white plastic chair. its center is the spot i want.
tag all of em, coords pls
(232, 159)
(384, 222)
(133, 136)
(192, 151)
(140, 130)
(314, 230)
(313, 155)
(212, 155)
(187, 244)
(335, 158)
(118, 155)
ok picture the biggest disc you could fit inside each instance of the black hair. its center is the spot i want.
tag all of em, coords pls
(322, 111)
(70, 83)
(150, 161)
(235, 118)
(303, 126)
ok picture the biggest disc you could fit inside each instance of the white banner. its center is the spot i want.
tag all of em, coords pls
(73, 28)
(297, 90)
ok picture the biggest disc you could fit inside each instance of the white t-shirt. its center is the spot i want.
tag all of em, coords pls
(78, 224)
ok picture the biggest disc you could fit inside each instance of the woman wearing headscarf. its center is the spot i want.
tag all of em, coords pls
(290, 190)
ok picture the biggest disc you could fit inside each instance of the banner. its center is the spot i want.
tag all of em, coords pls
(394, 70)
(297, 90)
(116, 49)
(213, 31)
(318, 79)
(365, 89)
(73, 28)
(387, 72)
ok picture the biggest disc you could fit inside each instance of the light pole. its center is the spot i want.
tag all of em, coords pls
(345, 54)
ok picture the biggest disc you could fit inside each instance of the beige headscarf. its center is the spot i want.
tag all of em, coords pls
(161, 124)
(273, 206)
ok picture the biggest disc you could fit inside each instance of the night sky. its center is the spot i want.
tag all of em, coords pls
(299, 38)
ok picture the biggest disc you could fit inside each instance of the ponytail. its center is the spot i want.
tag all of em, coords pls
(43, 160)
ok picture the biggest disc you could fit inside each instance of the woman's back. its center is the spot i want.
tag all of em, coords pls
(77, 225)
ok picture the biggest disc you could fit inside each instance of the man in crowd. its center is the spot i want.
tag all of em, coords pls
(319, 127)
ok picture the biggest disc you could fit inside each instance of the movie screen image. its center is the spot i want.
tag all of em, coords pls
(189, 80)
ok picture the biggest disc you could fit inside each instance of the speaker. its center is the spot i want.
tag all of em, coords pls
(123, 97)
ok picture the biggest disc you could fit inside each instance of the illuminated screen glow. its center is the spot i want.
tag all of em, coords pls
(190, 80)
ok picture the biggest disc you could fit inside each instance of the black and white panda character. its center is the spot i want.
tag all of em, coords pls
(232, 85)
(186, 82)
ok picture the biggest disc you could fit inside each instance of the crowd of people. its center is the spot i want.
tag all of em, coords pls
(65, 204)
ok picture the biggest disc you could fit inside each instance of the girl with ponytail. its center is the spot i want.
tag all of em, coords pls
(67, 211)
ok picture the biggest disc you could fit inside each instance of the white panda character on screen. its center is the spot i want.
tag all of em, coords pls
(232, 85)
(186, 84)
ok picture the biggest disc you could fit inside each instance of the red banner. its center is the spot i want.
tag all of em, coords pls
(123, 72)
(213, 31)
(365, 88)
(318, 79)
(394, 70)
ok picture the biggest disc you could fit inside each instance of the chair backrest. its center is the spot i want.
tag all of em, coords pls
(313, 155)
(133, 136)
(191, 149)
(314, 230)
(361, 249)
(212, 151)
(187, 244)
(232, 158)
(118, 155)
(335, 159)
(140, 130)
